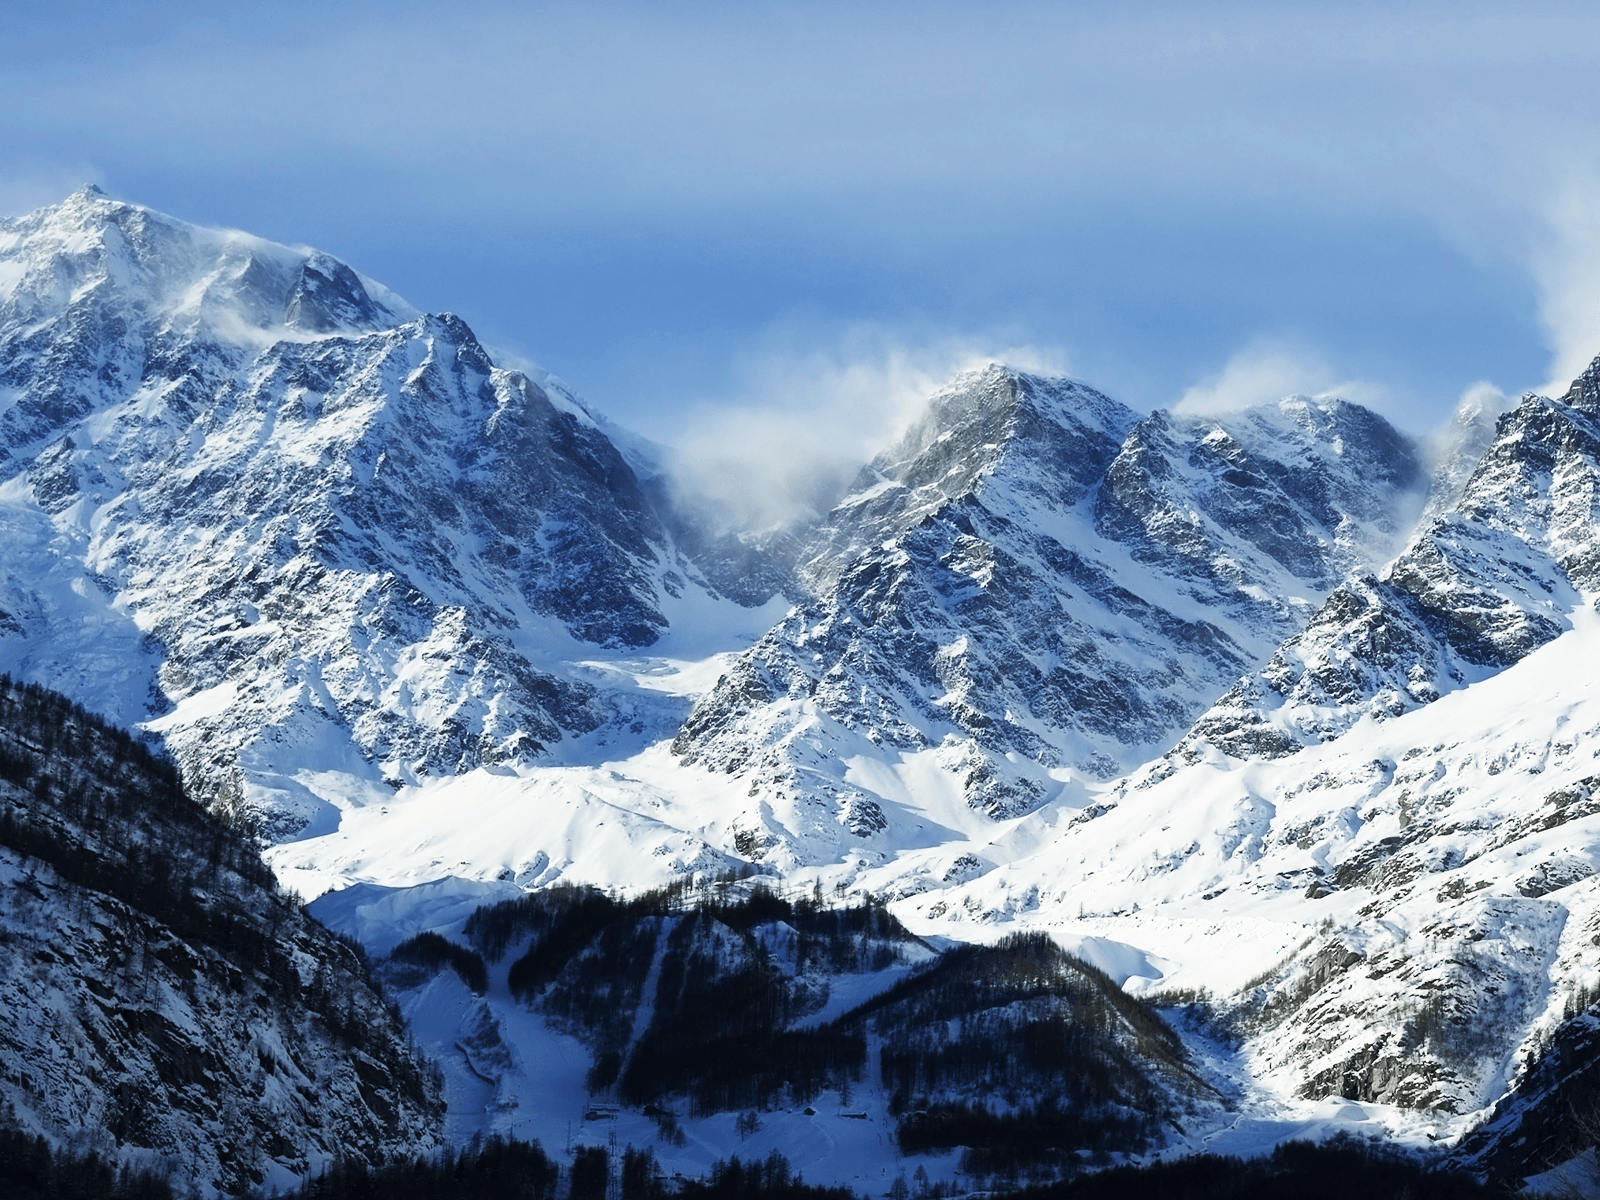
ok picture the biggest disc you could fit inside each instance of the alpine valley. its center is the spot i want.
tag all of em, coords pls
(392, 756)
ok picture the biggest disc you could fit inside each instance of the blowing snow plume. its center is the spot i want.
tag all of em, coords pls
(1565, 268)
(1265, 371)
(789, 444)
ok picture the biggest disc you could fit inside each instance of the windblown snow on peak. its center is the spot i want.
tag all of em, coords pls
(261, 504)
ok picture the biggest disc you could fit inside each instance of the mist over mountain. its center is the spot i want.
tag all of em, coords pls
(1081, 785)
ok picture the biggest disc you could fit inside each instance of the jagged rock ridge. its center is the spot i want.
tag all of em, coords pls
(1491, 577)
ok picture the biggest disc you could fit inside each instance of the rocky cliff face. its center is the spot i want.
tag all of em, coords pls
(1482, 583)
(1036, 586)
(160, 1001)
(1550, 1119)
(297, 519)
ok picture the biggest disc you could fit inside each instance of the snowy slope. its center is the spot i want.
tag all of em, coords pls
(1398, 916)
(513, 1068)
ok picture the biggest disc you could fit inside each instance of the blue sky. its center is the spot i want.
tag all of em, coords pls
(780, 222)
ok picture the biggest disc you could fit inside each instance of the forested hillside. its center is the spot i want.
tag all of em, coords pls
(161, 1001)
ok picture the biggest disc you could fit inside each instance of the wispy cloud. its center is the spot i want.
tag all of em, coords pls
(802, 422)
(890, 160)
(1482, 401)
(1566, 267)
(1265, 371)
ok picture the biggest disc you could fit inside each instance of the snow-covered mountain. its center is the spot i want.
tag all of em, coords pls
(1252, 712)
(1375, 859)
(1480, 584)
(311, 529)
(1033, 589)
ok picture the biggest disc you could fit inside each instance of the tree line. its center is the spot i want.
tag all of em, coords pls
(32, 1169)
(499, 1168)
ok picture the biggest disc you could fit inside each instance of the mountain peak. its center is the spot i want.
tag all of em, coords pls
(985, 415)
(89, 206)
(98, 258)
(1050, 438)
